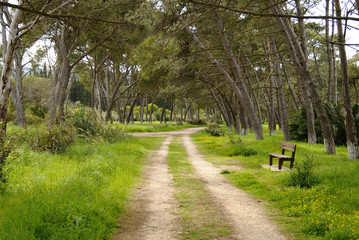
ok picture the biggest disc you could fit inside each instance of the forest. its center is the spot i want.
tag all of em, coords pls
(78, 76)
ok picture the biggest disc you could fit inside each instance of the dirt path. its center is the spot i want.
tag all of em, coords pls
(249, 219)
(151, 215)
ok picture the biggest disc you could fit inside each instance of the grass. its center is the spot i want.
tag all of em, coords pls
(200, 218)
(76, 195)
(329, 210)
(152, 127)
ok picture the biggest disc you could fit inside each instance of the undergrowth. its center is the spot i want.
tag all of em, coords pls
(75, 195)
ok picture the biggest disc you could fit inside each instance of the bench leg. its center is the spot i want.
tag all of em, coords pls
(291, 164)
(270, 160)
(280, 164)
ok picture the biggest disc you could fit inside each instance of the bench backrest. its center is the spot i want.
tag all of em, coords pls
(289, 147)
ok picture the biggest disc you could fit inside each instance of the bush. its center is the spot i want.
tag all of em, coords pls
(303, 176)
(298, 124)
(179, 122)
(197, 122)
(215, 130)
(112, 135)
(38, 111)
(85, 121)
(55, 139)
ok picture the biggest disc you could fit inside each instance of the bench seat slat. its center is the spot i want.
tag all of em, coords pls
(277, 155)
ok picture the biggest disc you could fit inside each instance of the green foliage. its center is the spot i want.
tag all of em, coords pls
(38, 111)
(112, 134)
(215, 130)
(298, 124)
(197, 122)
(55, 139)
(78, 93)
(302, 175)
(225, 172)
(233, 139)
(85, 121)
(76, 195)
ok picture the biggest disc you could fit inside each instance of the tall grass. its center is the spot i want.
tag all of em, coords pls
(75, 195)
(329, 210)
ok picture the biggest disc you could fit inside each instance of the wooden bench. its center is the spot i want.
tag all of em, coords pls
(282, 157)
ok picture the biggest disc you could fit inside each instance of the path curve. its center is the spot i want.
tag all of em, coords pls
(248, 218)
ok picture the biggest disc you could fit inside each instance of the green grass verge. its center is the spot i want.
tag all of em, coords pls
(75, 195)
(200, 218)
(329, 210)
(152, 127)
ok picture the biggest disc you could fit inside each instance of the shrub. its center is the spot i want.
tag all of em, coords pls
(55, 139)
(179, 122)
(298, 124)
(112, 135)
(302, 175)
(38, 111)
(85, 121)
(233, 139)
(215, 130)
(197, 122)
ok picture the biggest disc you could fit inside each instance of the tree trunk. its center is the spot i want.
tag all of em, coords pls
(146, 102)
(334, 62)
(130, 111)
(221, 108)
(243, 95)
(230, 81)
(5, 81)
(7, 70)
(118, 108)
(151, 111)
(317, 66)
(20, 109)
(163, 113)
(281, 98)
(142, 109)
(291, 88)
(299, 58)
(329, 54)
(347, 113)
(172, 108)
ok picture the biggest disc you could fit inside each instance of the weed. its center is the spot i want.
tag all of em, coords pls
(233, 139)
(225, 172)
(303, 175)
(215, 130)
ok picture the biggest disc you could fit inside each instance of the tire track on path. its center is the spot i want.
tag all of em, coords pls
(149, 216)
(248, 218)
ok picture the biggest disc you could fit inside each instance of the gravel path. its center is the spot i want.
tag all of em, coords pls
(150, 214)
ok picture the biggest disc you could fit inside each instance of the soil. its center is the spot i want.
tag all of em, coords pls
(150, 212)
